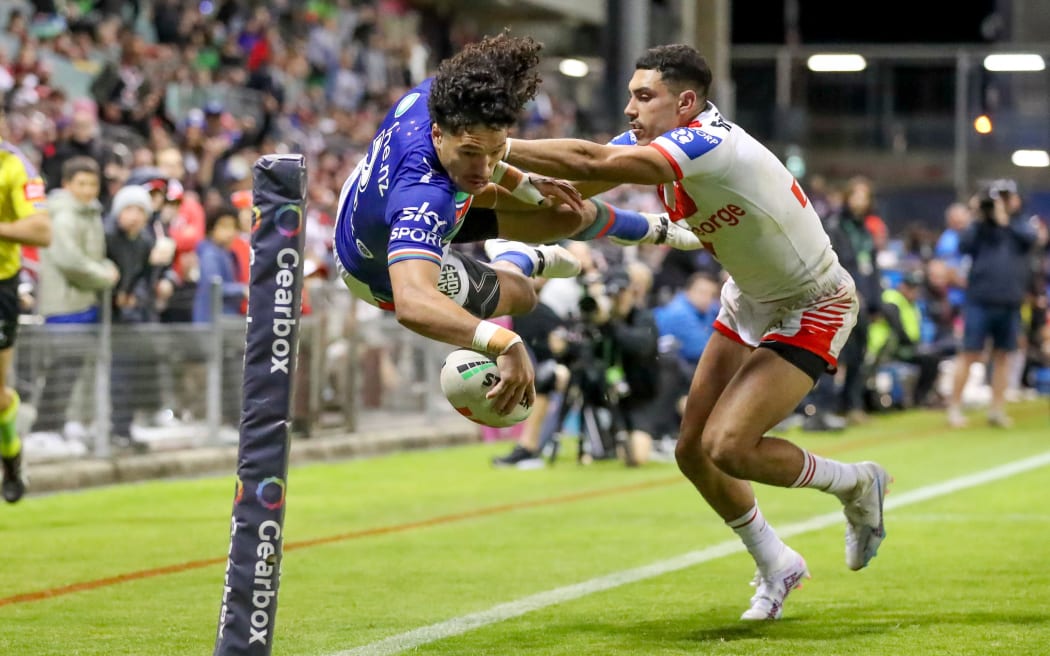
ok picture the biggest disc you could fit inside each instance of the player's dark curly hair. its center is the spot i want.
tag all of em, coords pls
(487, 83)
(679, 65)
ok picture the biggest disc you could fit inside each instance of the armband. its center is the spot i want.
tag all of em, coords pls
(526, 191)
(494, 339)
(499, 171)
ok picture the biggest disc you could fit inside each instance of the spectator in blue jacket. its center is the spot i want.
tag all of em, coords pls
(216, 261)
(998, 243)
(689, 317)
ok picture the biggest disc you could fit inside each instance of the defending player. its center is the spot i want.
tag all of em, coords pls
(23, 220)
(432, 160)
(786, 310)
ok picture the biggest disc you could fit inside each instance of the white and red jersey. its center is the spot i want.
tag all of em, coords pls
(747, 208)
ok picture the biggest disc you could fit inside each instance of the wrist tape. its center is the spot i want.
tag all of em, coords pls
(494, 339)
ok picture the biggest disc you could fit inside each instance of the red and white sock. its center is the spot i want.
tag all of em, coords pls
(762, 542)
(838, 478)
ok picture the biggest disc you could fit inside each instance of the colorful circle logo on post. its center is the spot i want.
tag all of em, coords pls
(270, 493)
(405, 104)
(289, 220)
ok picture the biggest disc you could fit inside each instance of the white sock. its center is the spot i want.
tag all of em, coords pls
(832, 476)
(762, 542)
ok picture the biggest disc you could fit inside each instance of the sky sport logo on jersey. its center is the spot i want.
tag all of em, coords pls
(423, 214)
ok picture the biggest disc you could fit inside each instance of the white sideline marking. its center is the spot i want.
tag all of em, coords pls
(459, 625)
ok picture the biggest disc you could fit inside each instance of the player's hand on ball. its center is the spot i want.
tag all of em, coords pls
(516, 379)
(557, 191)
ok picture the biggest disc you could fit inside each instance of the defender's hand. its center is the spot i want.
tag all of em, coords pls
(557, 191)
(516, 379)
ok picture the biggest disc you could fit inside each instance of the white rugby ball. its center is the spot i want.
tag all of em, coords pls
(466, 377)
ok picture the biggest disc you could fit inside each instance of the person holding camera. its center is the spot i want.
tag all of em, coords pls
(997, 242)
(625, 346)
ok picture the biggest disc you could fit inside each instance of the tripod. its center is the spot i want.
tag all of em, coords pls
(603, 425)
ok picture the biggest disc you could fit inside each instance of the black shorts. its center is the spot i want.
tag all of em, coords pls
(479, 224)
(10, 310)
(472, 284)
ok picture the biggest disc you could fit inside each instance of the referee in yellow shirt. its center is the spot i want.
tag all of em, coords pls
(23, 220)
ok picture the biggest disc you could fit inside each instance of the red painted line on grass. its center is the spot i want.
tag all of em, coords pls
(178, 568)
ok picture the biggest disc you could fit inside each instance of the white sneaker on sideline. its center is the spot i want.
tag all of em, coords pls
(863, 509)
(773, 588)
(999, 419)
(548, 261)
(956, 418)
(662, 230)
(76, 431)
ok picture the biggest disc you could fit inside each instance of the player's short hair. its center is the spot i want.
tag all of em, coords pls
(487, 83)
(679, 65)
(79, 164)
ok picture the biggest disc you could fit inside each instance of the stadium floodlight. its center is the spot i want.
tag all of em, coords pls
(841, 62)
(1016, 62)
(983, 124)
(573, 68)
(1032, 158)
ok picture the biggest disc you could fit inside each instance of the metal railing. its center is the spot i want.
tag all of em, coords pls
(106, 388)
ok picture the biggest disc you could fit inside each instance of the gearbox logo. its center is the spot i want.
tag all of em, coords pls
(256, 217)
(289, 220)
(239, 493)
(270, 493)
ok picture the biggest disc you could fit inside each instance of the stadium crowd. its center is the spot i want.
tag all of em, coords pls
(181, 102)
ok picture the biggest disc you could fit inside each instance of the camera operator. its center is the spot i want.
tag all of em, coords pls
(543, 332)
(997, 242)
(624, 346)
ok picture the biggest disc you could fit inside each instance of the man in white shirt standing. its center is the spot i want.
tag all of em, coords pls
(787, 308)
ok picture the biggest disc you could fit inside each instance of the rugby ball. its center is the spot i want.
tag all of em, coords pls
(466, 377)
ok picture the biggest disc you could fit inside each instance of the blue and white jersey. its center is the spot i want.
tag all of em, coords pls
(399, 203)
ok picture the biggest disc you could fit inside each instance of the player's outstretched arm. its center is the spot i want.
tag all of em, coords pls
(528, 191)
(585, 160)
(423, 309)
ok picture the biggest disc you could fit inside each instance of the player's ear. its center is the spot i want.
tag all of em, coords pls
(435, 132)
(687, 101)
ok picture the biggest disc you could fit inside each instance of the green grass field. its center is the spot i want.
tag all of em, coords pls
(378, 548)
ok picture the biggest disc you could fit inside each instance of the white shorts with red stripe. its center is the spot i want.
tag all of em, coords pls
(819, 322)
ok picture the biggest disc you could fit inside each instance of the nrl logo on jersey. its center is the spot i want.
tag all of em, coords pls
(362, 249)
(406, 104)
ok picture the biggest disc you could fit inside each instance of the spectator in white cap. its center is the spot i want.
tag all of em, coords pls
(134, 302)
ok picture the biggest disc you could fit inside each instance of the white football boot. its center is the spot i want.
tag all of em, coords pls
(548, 260)
(863, 509)
(773, 588)
(662, 230)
